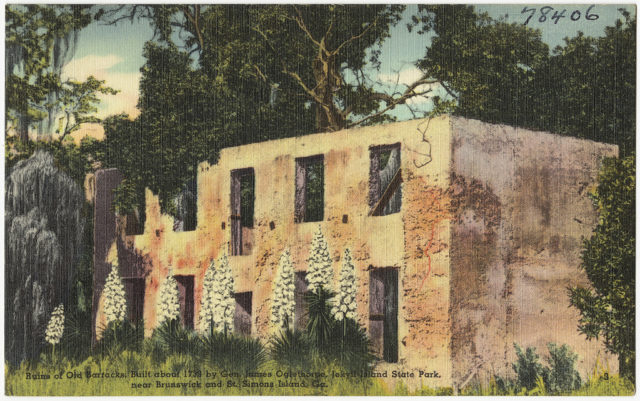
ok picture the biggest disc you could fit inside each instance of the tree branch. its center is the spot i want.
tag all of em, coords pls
(302, 26)
(392, 102)
(351, 39)
(194, 19)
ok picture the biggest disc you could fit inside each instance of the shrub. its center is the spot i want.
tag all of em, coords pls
(76, 340)
(119, 336)
(534, 379)
(351, 346)
(563, 376)
(527, 368)
(291, 348)
(172, 338)
(230, 352)
(320, 323)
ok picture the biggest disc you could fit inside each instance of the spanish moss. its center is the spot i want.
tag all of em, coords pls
(43, 228)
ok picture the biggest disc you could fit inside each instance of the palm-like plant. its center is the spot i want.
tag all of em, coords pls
(291, 348)
(321, 321)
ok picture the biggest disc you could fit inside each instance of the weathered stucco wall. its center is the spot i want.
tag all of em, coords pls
(521, 211)
(375, 241)
(486, 242)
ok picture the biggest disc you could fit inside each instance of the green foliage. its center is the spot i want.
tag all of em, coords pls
(344, 341)
(125, 361)
(351, 346)
(76, 340)
(603, 110)
(321, 322)
(78, 102)
(532, 378)
(611, 385)
(39, 40)
(118, 336)
(233, 353)
(291, 348)
(607, 307)
(178, 128)
(171, 338)
(527, 368)
(503, 73)
(487, 66)
(563, 376)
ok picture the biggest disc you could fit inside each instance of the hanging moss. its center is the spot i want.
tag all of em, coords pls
(43, 229)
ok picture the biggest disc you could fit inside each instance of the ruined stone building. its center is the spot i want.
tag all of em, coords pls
(465, 237)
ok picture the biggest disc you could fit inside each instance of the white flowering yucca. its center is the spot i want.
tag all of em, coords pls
(320, 271)
(283, 306)
(223, 301)
(115, 302)
(205, 317)
(345, 301)
(55, 326)
(168, 304)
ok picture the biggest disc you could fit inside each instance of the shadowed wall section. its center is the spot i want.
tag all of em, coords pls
(520, 206)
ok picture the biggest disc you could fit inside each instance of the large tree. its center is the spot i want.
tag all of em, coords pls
(222, 75)
(39, 41)
(486, 67)
(607, 306)
(503, 73)
(594, 83)
(324, 58)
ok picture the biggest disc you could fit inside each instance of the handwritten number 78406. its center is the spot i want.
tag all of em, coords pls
(545, 13)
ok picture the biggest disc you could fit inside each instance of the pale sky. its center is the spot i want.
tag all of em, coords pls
(114, 53)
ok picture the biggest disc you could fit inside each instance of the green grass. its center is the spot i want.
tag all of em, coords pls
(181, 364)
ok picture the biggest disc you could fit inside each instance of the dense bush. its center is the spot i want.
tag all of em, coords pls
(527, 367)
(292, 348)
(562, 375)
(119, 336)
(351, 346)
(231, 352)
(533, 378)
(172, 337)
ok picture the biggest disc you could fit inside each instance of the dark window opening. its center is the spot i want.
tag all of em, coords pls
(136, 218)
(385, 177)
(309, 200)
(185, 298)
(383, 313)
(242, 317)
(134, 290)
(242, 211)
(186, 203)
(300, 312)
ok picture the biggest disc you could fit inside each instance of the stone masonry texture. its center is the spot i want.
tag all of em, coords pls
(487, 240)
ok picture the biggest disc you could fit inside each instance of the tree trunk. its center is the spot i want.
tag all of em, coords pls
(328, 116)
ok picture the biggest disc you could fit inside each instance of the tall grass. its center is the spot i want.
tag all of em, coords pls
(187, 370)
